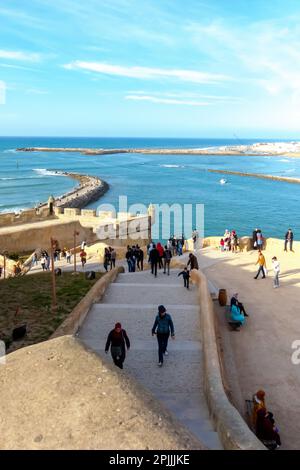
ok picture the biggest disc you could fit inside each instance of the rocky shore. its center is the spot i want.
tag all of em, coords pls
(90, 189)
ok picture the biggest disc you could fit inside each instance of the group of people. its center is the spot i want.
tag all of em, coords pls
(229, 241)
(109, 259)
(263, 422)
(160, 256)
(118, 341)
(176, 245)
(135, 258)
(262, 268)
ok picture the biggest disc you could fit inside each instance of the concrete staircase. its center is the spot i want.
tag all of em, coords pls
(133, 300)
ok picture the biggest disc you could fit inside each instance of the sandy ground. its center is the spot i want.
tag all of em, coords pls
(262, 350)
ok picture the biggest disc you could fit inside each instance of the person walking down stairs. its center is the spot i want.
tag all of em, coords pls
(162, 327)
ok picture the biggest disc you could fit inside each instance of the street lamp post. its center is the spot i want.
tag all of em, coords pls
(54, 298)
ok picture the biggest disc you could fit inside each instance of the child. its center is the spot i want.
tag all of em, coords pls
(186, 277)
(222, 244)
(276, 268)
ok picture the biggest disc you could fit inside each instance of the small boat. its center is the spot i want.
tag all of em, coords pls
(223, 181)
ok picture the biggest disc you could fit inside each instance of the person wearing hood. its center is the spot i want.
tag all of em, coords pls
(162, 328)
(258, 403)
(117, 341)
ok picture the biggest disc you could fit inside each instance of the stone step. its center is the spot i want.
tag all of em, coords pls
(147, 277)
(178, 384)
(149, 294)
(138, 320)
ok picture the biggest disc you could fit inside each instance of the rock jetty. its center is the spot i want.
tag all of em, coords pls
(90, 189)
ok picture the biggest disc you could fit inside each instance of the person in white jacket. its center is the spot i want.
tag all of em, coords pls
(276, 269)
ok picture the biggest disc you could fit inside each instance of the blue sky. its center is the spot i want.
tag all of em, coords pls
(205, 68)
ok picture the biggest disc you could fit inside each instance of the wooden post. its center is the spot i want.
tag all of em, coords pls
(4, 265)
(75, 267)
(54, 299)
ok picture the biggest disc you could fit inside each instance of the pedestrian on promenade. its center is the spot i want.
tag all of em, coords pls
(260, 239)
(83, 245)
(186, 277)
(140, 258)
(68, 256)
(162, 327)
(107, 258)
(262, 265)
(34, 259)
(83, 258)
(43, 263)
(117, 341)
(195, 237)
(289, 238)
(154, 258)
(160, 250)
(235, 301)
(167, 259)
(113, 257)
(276, 269)
(254, 239)
(129, 259)
(193, 262)
(48, 259)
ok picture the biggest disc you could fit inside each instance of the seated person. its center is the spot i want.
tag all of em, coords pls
(266, 430)
(235, 301)
(236, 315)
(258, 404)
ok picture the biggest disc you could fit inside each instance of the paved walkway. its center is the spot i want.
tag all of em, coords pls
(262, 350)
(133, 300)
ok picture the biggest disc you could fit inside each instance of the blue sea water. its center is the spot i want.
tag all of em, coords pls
(242, 204)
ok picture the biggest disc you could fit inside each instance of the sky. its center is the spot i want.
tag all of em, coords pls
(150, 68)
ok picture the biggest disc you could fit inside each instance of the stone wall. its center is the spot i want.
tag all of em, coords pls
(232, 429)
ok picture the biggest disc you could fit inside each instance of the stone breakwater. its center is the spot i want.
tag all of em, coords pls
(90, 189)
(258, 175)
(292, 149)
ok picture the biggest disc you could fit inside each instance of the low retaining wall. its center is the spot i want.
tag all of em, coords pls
(76, 318)
(232, 429)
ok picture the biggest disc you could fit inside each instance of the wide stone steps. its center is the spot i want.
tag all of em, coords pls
(133, 300)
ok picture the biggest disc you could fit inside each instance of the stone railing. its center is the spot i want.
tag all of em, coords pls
(232, 429)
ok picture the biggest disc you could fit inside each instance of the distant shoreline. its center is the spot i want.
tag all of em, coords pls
(290, 149)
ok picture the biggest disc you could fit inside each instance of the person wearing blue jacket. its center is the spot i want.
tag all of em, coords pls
(237, 315)
(162, 327)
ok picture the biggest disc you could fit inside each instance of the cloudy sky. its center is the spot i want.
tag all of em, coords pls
(174, 68)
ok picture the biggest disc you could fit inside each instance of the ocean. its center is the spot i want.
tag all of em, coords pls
(243, 204)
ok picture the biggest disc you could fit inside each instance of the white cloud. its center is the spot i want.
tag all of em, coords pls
(147, 73)
(36, 91)
(188, 95)
(2, 92)
(20, 55)
(170, 101)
